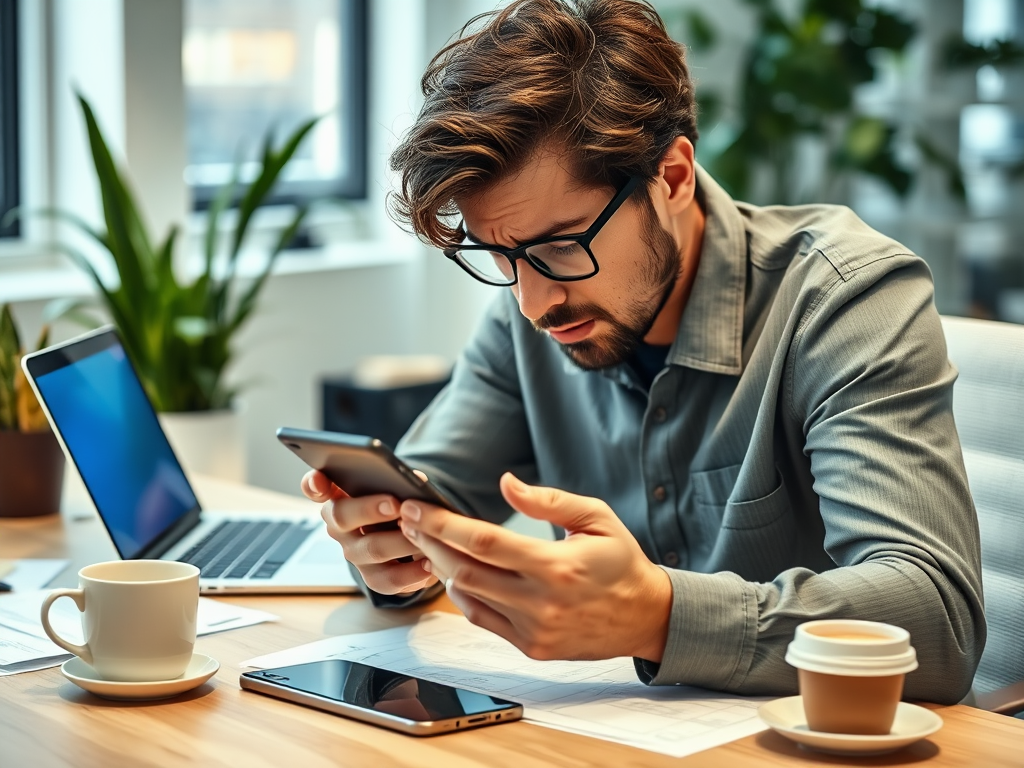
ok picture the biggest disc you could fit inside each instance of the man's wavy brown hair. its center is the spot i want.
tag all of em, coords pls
(599, 79)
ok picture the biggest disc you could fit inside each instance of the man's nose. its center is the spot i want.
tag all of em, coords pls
(536, 293)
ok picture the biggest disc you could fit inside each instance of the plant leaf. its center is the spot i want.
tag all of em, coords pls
(73, 310)
(112, 298)
(128, 242)
(10, 342)
(949, 164)
(248, 300)
(10, 356)
(273, 163)
(66, 216)
(44, 337)
(193, 329)
(30, 415)
(220, 203)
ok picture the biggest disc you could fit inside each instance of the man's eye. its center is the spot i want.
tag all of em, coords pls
(556, 250)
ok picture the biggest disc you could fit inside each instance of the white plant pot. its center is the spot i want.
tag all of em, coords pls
(208, 442)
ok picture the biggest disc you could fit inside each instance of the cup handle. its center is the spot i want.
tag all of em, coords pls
(78, 595)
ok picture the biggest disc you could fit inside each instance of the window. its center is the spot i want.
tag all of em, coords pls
(9, 159)
(256, 65)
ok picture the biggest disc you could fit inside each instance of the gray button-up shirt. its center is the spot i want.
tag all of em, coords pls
(796, 459)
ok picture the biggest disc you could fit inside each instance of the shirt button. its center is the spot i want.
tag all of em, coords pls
(671, 559)
(660, 414)
(659, 493)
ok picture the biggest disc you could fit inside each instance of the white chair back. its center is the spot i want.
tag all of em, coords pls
(988, 406)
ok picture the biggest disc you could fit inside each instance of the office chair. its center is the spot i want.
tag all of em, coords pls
(988, 406)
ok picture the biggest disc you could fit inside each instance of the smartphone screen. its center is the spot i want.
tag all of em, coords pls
(378, 690)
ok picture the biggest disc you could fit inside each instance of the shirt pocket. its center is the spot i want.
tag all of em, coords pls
(714, 489)
(754, 538)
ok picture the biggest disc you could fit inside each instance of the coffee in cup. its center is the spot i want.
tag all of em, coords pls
(851, 673)
(138, 618)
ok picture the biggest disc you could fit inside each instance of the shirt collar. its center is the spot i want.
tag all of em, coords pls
(710, 336)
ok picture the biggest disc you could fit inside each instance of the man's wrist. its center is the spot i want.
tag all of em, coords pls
(656, 614)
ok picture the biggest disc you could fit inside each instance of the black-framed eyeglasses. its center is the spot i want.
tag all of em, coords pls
(562, 257)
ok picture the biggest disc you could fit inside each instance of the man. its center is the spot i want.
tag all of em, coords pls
(740, 416)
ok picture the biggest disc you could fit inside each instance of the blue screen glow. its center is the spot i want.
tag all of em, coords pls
(126, 462)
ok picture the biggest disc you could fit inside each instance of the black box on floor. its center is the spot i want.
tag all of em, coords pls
(382, 413)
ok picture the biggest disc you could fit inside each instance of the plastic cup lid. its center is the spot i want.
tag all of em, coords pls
(827, 647)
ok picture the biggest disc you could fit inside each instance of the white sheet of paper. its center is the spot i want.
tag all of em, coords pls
(24, 646)
(33, 574)
(601, 699)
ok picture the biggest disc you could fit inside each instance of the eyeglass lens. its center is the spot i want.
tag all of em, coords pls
(562, 258)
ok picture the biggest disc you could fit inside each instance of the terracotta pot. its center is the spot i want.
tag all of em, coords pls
(31, 474)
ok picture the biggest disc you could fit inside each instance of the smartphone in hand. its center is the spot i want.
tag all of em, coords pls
(362, 466)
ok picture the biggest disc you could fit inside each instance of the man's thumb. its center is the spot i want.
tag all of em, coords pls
(572, 512)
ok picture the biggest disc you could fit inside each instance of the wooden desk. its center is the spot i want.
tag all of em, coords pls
(47, 721)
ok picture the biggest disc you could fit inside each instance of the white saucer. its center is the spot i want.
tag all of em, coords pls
(200, 669)
(786, 716)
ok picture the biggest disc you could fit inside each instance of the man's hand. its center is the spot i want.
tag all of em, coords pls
(375, 553)
(594, 595)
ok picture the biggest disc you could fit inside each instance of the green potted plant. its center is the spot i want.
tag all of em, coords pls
(179, 333)
(31, 461)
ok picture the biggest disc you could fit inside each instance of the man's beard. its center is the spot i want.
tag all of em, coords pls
(654, 285)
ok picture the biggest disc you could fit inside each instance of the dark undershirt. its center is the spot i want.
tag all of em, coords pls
(648, 361)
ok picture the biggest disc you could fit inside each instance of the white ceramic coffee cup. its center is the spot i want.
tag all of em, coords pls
(138, 618)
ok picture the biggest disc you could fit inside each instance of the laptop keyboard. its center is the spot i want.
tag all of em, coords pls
(237, 549)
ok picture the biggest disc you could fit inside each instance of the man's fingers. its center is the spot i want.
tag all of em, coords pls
(568, 510)
(395, 578)
(481, 614)
(379, 547)
(469, 575)
(484, 541)
(317, 487)
(350, 513)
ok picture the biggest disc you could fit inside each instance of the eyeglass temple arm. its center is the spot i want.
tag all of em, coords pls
(615, 204)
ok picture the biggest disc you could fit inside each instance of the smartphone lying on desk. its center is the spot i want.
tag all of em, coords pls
(389, 699)
(361, 465)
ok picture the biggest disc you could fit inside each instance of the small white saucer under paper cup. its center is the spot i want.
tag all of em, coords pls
(786, 716)
(200, 669)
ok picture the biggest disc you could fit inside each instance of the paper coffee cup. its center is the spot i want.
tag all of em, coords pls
(851, 673)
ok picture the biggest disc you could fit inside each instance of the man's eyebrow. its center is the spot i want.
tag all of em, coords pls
(558, 228)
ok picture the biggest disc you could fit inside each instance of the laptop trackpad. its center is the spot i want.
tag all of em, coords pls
(323, 553)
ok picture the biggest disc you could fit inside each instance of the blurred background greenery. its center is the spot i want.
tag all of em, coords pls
(909, 111)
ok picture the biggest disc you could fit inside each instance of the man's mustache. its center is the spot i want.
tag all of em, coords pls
(564, 314)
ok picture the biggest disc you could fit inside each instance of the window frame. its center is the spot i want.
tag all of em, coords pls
(10, 133)
(355, 29)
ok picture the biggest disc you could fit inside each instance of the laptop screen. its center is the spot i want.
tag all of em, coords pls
(111, 431)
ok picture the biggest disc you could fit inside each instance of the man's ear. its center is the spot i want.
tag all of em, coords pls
(677, 176)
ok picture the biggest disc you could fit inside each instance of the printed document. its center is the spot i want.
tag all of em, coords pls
(602, 699)
(24, 646)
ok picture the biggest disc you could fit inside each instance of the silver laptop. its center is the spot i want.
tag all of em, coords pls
(109, 431)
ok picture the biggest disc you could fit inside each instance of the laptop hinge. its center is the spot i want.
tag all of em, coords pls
(170, 537)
